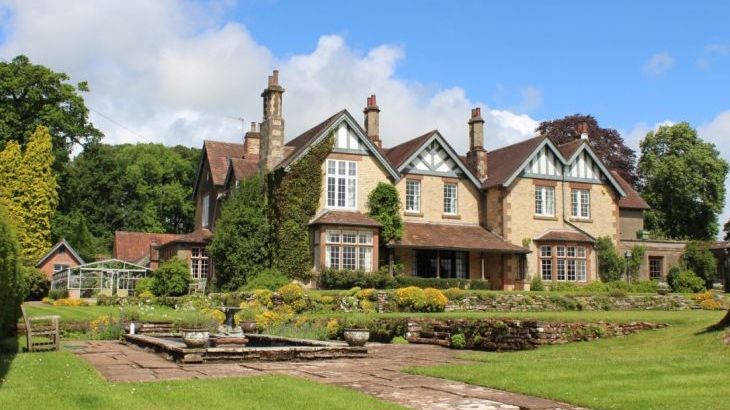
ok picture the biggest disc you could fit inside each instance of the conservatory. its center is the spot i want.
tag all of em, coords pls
(107, 277)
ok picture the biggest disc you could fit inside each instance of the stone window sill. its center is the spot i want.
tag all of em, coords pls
(546, 218)
(584, 220)
(414, 214)
(449, 216)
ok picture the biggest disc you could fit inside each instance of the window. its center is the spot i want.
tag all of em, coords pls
(450, 199)
(341, 184)
(546, 263)
(429, 263)
(206, 210)
(59, 268)
(351, 250)
(655, 267)
(545, 200)
(413, 196)
(199, 263)
(581, 203)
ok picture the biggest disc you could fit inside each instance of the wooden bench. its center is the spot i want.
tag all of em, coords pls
(43, 327)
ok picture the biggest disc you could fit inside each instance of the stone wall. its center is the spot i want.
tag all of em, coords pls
(510, 335)
(541, 302)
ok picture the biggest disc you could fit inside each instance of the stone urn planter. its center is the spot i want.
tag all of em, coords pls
(248, 326)
(357, 337)
(195, 338)
(662, 289)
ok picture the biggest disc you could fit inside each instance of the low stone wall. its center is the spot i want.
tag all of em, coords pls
(540, 302)
(510, 335)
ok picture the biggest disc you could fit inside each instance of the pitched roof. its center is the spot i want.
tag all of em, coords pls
(135, 246)
(244, 167)
(503, 162)
(570, 147)
(56, 247)
(343, 218)
(632, 200)
(460, 237)
(218, 154)
(396, 155)
(563, 235)
(301, 142)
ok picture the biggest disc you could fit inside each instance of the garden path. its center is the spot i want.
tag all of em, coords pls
(378, 375)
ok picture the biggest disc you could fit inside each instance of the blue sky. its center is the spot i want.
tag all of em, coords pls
(180, 71)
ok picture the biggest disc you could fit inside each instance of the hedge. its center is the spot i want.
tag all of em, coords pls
(404, 281)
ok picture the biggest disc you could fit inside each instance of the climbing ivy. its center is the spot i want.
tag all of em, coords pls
(384, 204)
(294, 197)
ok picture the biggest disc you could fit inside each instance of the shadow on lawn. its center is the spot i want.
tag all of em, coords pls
(9, 347)
(722, 325)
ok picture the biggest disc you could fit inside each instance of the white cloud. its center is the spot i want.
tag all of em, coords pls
(712, 52)
(659, 64)
(175, 72)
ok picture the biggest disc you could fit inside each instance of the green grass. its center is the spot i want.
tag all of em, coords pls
(680, 367)
(62, 381)
(89, 313)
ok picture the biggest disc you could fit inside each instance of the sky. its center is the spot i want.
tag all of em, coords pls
(178, 72)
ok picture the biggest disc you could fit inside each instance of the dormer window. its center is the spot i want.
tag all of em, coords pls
(341, 184)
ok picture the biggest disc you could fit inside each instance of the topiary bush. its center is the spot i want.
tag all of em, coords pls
(270, 279)
(172, 278)
(411, 298)
(685, 281)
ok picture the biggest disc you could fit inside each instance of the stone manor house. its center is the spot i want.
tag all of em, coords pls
(531, 208)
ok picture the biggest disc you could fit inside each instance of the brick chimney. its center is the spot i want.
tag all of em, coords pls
(272, 128)
(476, 158)
(154, 254)
(252, 141)
(372, 121)
(582, 130)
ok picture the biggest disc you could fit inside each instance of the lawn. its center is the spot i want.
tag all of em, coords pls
(62, 381)
(680, 367)
(89, 313)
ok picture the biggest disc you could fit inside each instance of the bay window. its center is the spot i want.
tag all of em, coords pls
(341, 184)
(349, 250)
(568, 263)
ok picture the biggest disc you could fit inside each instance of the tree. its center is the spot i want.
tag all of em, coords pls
(241, 245)
(683, 182)
(698, 258)
(11, 282)
(727, 230)
(33, 95)
(607, 143)
(35, 283)
(384, 204)
(172, 278)
(74, 229)
(30, 192)
(610, 264)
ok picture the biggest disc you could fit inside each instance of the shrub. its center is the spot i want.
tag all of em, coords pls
(454, 293)
(384, 206)
(70, 302)
(618, 285)
(47, 301)
(106, 328)
(107, 300)
(345, 279)
(241, 245)
(610, 264)
(563, 287)
(645, 286)
(458, 341)
(698, 258)
(144, 285)
(333, 328)
(172, 278)
(399, 340)
(263, 296)
(617, 293)
(708, 301)
(56, 294)
(595, 286)
(293, 295)
(11, 281)
(685, 281)
(437, 283)
(270, 279)
(366, 294)
(35, 283)
(434, 300)
(195, 319)
(536, 284)
(411, 298)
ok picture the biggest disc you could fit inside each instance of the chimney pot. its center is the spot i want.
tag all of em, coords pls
(372, 120)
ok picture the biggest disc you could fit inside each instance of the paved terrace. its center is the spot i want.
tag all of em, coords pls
(379, 375)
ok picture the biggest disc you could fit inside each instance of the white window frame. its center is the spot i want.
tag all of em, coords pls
(199, 263)
(341, 184)
(206, 210)
(544, 200)
(59, 267)
(413, 195)
(451, 202)
(580, 206)
(546, 263)
(340, 242)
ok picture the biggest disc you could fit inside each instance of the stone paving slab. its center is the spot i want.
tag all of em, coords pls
(379, 375)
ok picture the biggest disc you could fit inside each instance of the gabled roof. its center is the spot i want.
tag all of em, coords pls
(632, 200)
(61, 244)
(505, 161)
(303, 142)
(135, 246)
(200, 236)
(569, 148)
(457, 237)
(217, 154)
(406, 152)
(240, 168)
